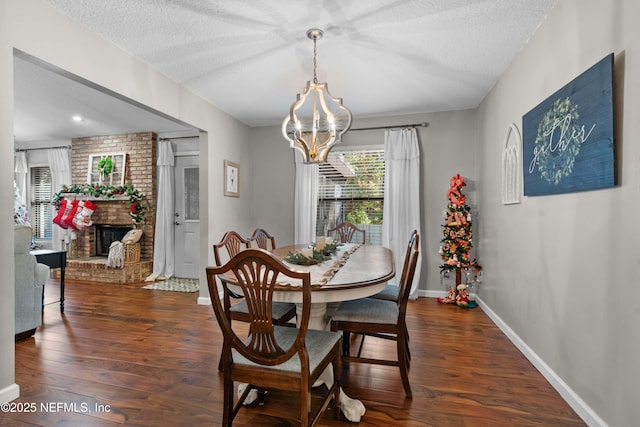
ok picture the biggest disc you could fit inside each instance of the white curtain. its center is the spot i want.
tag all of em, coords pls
(164, 241)
(402, 197)
(305, 200)
(60, 167)
(21, 169)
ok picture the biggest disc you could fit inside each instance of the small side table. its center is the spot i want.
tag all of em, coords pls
(54, 259)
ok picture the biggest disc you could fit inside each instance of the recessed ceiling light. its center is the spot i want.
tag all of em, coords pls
(77, 119)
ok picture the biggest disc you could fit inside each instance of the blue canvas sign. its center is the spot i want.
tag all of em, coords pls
(568, 138)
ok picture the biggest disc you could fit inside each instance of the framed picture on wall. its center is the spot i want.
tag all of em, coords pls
(231, 179)
(568, 141)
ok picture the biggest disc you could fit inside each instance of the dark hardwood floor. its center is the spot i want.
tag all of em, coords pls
(125, 355)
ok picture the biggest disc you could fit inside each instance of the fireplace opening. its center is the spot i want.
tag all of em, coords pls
(107, 234)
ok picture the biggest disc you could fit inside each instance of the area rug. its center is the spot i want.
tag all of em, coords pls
(175, 284)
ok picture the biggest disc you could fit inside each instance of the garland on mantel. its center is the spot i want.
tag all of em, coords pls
(137, 208)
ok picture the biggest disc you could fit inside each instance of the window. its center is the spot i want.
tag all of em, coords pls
(351, 188)
(40, 205)
(191, 193)
(112, 164)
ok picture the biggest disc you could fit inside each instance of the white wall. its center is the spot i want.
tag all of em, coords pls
(561, 271)
(447, 147)
(35, 28)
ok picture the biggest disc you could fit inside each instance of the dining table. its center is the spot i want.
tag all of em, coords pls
(353, 271)
(356, 271)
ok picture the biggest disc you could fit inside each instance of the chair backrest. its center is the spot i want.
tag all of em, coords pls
(410, 247)
(232, 242)
(408, 271)
(255, 272)
(262, 240)
(346, 231)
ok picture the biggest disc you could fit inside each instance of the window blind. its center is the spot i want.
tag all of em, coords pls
(40, 212)
(351, 188)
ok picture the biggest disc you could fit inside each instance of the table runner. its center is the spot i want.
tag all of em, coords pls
(323, 272)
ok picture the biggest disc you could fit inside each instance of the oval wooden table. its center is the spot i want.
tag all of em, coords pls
(365, 273)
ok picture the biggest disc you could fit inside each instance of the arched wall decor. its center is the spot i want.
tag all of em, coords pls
(512, 166)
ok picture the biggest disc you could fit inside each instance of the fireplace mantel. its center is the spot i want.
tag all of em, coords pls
(80, 196)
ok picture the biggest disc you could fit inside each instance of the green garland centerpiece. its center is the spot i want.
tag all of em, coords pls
(137, 208)
(299, 258)
(329, 248)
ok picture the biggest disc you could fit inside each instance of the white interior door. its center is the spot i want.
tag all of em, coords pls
(187, 216)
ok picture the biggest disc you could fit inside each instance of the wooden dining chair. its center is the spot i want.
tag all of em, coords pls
(282, 312)
(263, 240)
(346, 232)
(272, 356)
(382, 318)
(391, 292)
(234, 243)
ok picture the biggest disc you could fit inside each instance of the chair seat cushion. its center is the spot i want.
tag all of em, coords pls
(389, 293)
(367, 310)
(319, 344)
(279, 309)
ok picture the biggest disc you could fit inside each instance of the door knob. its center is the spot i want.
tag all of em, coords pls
(177, 223)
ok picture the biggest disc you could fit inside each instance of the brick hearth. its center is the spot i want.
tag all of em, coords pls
(95, 270)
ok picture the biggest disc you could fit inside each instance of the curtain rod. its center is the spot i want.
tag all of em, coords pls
(178, 137)
(414, 125)
(41, 148)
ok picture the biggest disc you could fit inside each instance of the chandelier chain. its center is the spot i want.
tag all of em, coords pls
(315, 62)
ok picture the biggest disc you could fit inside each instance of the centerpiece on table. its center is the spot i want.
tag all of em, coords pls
(319, 251)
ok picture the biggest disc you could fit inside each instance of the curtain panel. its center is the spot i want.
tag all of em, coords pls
(60, 167)
(21, 169)
(164, 240)
(305, 200)
(401, 213)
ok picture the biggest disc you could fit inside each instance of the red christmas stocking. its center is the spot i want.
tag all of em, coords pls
(83, 216)
(61, 212)
(68, 219)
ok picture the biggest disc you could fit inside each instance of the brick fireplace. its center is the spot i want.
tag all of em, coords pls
(85, 262)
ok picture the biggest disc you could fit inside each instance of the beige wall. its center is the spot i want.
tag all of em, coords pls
(562, 271)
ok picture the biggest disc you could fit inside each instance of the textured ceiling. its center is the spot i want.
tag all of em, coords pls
(46, 100)
(383, 57)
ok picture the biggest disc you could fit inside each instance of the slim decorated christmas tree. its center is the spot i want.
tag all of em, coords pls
(455, 248)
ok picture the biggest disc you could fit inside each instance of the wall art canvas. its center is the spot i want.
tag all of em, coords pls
(568, 140)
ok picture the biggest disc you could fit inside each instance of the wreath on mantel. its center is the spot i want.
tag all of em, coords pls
(137, 209)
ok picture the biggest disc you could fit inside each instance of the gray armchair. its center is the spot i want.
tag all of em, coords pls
(30, 277)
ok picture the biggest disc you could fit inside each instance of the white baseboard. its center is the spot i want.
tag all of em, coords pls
(432, 294)
(204, 301)
(9, 393)
(581, 408)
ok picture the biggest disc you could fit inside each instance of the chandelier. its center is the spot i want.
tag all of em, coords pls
(316, 120)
